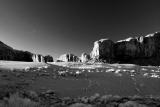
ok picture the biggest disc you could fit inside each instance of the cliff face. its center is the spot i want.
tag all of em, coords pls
(131, 50)
(8, 53)
(103, 50)
(38, 58)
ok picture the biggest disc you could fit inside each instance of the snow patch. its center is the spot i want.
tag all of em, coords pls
(78, 72)
(153, 75)
(26, 68)
(127, 40)
(144, 69)
(149, 35)
(132, 71)
(145, 74)
(110, 70)
(117, 71)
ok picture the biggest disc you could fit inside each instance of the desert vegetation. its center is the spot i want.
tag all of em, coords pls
(50, 99)
(57, 86)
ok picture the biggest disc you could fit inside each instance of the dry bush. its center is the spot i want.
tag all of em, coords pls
(131, 104)
(16, 101)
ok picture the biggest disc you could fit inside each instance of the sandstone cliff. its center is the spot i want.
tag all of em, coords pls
(37, 58)
(68, 58)
(85, 57)
(103, 49)
(143, 50)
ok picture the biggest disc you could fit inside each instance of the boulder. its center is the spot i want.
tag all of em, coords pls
(68, 58)
(85, 57)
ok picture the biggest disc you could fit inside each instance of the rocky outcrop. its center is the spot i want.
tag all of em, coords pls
(103, 50)
(41, 58)
(38, 58)
(144, 50)
(68, 58)
(85, 57)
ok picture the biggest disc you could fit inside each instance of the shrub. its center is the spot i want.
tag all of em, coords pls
(131, 104)
(16, 101)
(94, 97)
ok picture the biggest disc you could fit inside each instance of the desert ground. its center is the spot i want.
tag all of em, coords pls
(84, 81)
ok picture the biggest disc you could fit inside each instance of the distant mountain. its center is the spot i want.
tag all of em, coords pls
(143, 50)
(8, 53)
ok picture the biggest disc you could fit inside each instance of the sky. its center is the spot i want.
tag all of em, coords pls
(57, 27)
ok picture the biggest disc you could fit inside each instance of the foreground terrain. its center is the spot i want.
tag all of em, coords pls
(64, 84)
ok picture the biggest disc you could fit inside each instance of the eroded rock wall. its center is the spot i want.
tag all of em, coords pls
(130, 50)
(38, 58)
(85, 57)
(68, 58)
(8, 53)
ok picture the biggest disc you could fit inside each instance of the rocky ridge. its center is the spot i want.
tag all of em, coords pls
(68, 58)
(143, 50)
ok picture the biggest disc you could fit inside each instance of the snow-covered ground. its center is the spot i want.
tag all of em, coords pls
(80, 65)
(86, 78)
(145, 71)
(11, 65)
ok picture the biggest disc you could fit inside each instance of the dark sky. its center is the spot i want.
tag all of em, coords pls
(56, 27)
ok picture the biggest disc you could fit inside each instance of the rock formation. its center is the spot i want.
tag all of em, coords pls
(144, 50)
(68, 58)
(103, 50)
(38, 58)
(85, 57)
(8, 53)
